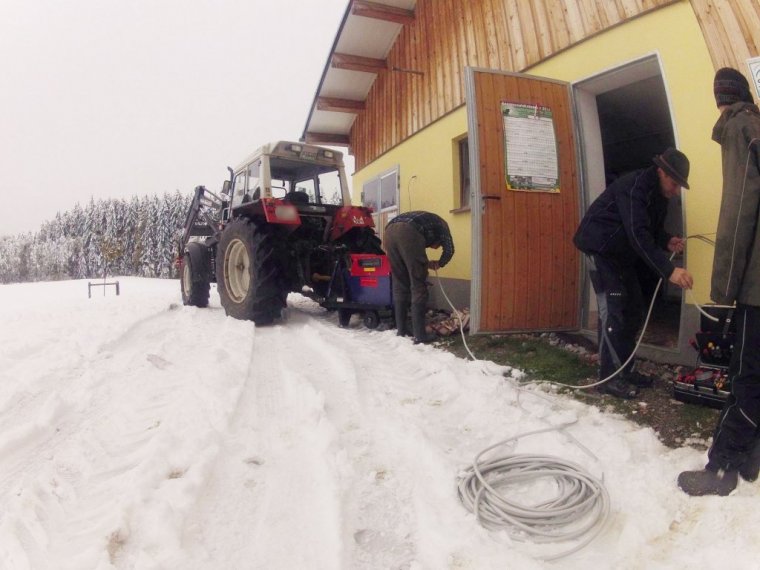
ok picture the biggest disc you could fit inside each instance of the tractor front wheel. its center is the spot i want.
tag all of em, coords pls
(194, 279)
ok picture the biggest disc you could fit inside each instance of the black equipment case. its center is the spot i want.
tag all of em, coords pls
(708, 383)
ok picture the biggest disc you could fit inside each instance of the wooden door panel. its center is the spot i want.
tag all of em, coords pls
(529, 269)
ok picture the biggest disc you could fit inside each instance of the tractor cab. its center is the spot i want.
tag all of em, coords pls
(294, 172)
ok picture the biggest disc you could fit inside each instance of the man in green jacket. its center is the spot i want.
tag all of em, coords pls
(736, 279)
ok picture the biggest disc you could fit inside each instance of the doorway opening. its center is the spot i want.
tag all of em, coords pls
(625, 120)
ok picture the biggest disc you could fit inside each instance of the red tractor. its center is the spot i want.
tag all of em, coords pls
(283, 223)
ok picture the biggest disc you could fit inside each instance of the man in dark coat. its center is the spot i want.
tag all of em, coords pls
(405, 240)
(735, 450)
(624, 225)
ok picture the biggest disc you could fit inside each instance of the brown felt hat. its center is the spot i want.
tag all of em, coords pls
(675, 164)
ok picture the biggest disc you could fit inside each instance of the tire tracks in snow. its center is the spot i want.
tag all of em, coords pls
(275, 443)
(34, 403)
(373, 419)
(138, 398)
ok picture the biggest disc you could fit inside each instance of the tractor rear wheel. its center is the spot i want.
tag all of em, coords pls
(247, 275)
(194, 280)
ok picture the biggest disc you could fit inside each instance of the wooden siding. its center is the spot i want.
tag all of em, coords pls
(731, 29)
(424, 79)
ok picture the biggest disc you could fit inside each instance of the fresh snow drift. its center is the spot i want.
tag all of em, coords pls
(136, 433)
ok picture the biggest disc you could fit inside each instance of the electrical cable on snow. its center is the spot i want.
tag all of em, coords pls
(581, 507)
(579, 511)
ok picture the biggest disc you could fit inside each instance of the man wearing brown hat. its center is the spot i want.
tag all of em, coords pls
(623, 225)
(735, 450)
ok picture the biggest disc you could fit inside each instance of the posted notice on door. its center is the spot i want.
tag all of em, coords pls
(531, 161)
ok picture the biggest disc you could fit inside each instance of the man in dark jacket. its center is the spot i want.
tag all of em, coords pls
(405, 240)
(624, 225)
(735, 450)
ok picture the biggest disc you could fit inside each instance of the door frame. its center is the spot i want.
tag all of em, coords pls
(628, 72)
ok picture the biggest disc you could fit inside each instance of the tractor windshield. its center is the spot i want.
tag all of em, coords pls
(316, 184)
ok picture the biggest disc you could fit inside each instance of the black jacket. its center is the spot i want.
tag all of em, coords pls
(626, 221)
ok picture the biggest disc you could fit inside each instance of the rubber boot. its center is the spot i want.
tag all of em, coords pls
(418, 325)
(400, 312)
(619, 388)
(708, 481)
(640, 380)
(750, 469)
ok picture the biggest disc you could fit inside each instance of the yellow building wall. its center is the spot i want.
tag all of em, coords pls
(428, 180)
(673, 33)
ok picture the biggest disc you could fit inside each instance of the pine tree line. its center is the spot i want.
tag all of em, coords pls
(136, 237)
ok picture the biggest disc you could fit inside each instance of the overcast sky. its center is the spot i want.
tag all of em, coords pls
(112, 98)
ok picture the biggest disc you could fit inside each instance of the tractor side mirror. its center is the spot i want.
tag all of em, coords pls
(226, 187)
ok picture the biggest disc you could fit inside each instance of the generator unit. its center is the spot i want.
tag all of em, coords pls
(708, 383)
(361, 283)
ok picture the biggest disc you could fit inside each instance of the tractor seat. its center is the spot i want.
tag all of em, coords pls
(297, 197)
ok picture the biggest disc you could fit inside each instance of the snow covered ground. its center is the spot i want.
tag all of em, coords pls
(138, 433)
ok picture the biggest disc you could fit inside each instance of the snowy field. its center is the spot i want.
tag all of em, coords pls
(138, 433)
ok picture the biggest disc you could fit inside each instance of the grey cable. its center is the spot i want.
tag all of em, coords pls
(579, 510)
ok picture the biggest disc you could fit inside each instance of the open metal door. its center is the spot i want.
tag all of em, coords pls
(526, 271)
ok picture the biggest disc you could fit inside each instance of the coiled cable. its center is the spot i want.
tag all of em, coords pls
(579, 510)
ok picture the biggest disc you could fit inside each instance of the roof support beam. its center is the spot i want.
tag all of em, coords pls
(357, 63)
(326, 138)
(382, 12)
(339, 105)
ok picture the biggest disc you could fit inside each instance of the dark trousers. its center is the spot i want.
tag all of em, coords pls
(405, 247)
(620, 305)
(737, 430)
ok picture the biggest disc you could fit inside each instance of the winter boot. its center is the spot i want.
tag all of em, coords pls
(708, 481)
(619, 388)
(640, 380)
(751, 467)
(400, 311)
(418, 325)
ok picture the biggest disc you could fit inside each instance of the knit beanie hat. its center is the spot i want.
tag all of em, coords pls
(730, 87)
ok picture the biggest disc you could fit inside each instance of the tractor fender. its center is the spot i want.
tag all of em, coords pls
(349, 217)
(200, 255)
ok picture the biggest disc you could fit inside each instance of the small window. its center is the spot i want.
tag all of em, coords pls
(280, 187)
(254, 180)
(381, 193)
(329, 188)
(464, 173)
(238, 188)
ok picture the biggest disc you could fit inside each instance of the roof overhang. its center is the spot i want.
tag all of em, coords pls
(358, 55)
